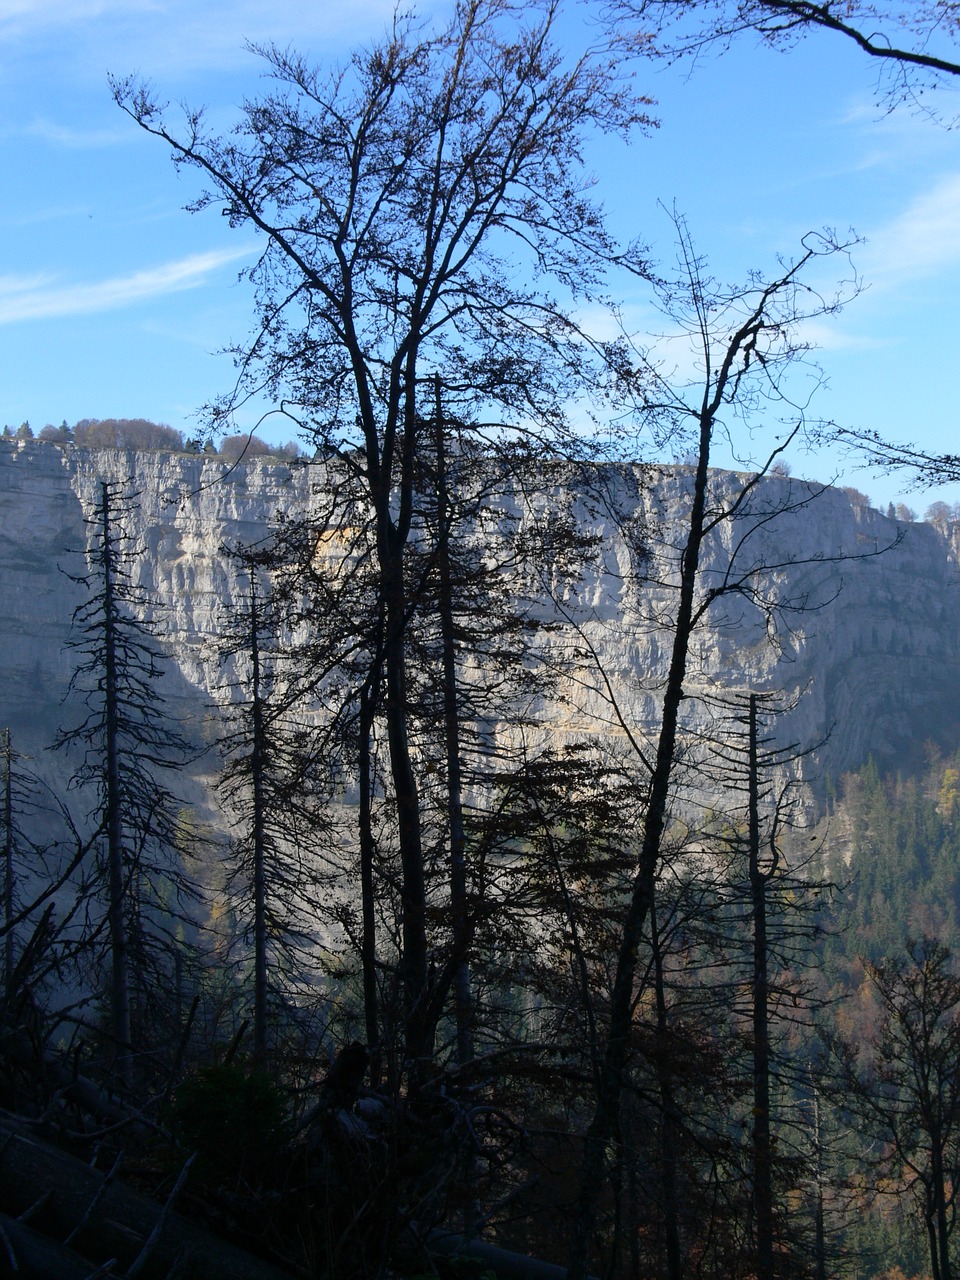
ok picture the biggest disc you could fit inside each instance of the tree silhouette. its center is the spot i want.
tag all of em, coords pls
(916, 48)
(269, 786)
(746, 342)
(128, 749)
(400, 202)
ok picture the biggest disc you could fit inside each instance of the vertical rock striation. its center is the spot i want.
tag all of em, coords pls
(871, 627)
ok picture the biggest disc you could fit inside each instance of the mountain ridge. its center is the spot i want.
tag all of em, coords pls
(876, 650)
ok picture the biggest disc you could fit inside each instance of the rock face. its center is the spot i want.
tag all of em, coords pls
(868, 624)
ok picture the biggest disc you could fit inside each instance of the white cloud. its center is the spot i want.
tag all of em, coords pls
(25, 17)
(911, 124)
(830, 335)
(164, 37)
(24, 284)
(921, 241)
(42, 297)
(68, 136)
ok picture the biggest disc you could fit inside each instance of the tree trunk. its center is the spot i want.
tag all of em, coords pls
(8, 938)
(368, 848)
(418, 1037)
(25, 1252)
(257, 766)
(121, 1221)
(939, 1224)
(762, 1154)
(668, 1119)
(463, 1000)
(820, 1240)
(118, 884)
(605, 1120)
(930, 1217)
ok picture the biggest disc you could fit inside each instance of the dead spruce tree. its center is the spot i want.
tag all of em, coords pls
(772, 900)
(15, 849)
(408, 205)
(317, 680)
(480, 684)
(274, 793)
(35, 945)
(129, 750)
(476, 683)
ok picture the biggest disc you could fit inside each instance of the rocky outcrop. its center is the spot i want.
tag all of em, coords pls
(867, 623)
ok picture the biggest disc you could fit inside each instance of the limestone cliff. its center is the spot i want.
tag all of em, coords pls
(871, 631)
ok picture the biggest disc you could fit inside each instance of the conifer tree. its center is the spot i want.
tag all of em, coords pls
(270, 787)
(128, 749)
(9, 874)
(903, 1085)
(774, 904)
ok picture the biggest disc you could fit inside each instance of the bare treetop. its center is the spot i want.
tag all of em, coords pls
(423, 207)
(914, 44)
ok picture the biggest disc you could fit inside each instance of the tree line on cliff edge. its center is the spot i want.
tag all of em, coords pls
(146, 436)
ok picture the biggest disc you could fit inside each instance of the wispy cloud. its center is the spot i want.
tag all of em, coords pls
(12, 285)
(68, 136)
(833, 335)
(176, 36)
(23, 17)
(45, 297)
(909, 125)
(921, 241)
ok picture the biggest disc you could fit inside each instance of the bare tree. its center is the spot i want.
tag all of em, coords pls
(9, 871)
(399, 199)
(889, 455)
(33, 871)
(773, 903)
(915, 48)
(744, 342)
(269, 786)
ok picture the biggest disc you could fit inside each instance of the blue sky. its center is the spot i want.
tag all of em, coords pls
(114, 301)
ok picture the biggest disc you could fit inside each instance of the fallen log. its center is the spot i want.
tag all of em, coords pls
(491, 1257)
(57, 1076)
(439, 1245)
(122, 1219)
(37, 1257)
